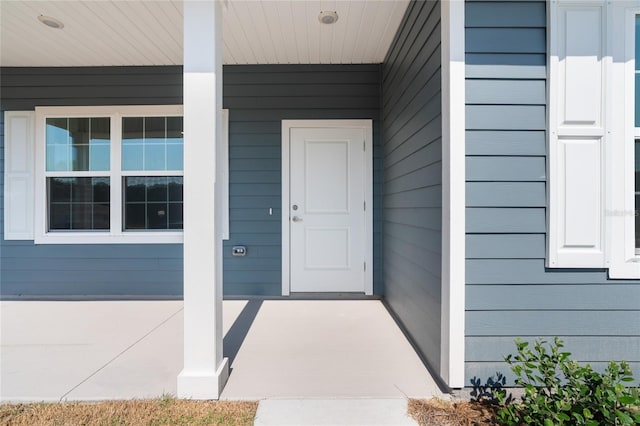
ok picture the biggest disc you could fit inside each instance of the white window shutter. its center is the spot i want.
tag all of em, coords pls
(577, 132)
(18, 175)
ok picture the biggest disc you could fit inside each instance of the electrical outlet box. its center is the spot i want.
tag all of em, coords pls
(239, 251)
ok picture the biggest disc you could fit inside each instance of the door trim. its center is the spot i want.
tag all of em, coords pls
(367, 126)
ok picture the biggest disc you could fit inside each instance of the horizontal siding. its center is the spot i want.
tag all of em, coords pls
(412, 201)
(483, 371)
(505, 40)
(562, 322)
(506, 65)
(507, 117)
(505, 194)
(505, 220)
(532, 271)
(88, 270)
(505, 246)
(507, 169)
(258, 98)
(505, 92)
(556, 297)
(598, 348)
(510, 292)
(505, 143)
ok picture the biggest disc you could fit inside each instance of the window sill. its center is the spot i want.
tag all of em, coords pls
(105, 238)
(625, 270)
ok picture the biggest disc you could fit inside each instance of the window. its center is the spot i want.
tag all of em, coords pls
(151, 148)
(77, 158)
(594, 136)
(623, 226)
(109, 174)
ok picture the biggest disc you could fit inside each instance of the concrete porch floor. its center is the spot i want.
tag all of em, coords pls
(51, 351)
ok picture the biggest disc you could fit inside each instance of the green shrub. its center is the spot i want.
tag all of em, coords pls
(559, 391)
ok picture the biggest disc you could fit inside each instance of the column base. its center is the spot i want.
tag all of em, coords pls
(199, 384)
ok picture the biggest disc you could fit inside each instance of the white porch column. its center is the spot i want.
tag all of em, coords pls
(205, 370)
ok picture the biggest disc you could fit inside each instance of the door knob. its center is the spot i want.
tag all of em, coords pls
(296, 219)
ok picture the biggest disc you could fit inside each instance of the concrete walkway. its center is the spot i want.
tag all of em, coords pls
(278, 350)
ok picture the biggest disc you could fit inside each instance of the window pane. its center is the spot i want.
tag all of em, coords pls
(60, 190)
(101, 190)
(175, 189)
(135, 189)
(637, 42)
(132, 157)
(132, 130)
(135, 217)
(637, 98)
(101, 216)
(154, 157)
(157, 215)
(78, 203)
(174, 157)
(79, 131)
(70, 144)
(58, 158)
(82, 190)
(99, 157)
(57, 132)
(59, 216)
(81, 216)
(100, 131)
(174, 130)
(152, 143)
(80, 157)
(157, 189)
(153, 202)
(154, 130)
(637, 220)
(175, 216)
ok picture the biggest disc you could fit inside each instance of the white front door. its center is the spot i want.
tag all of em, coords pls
(327, 209)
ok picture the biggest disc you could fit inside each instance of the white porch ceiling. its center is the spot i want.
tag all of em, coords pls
(118, 32)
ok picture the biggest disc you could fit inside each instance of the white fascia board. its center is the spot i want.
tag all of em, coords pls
(452, 357)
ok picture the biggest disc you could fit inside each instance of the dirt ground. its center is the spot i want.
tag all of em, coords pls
(165, 411)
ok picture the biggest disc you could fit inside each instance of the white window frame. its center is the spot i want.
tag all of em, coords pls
(116, 234)
(623, 256)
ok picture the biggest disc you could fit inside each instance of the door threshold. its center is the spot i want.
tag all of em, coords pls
(310, 296)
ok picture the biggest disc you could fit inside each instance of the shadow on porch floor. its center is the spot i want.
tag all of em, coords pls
(276, 348)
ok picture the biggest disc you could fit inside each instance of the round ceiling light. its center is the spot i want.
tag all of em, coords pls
(328, 17)
(51, 22)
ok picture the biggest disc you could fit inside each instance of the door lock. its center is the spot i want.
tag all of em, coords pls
(296, 219)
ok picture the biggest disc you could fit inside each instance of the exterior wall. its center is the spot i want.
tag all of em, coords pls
(87, 270)
(509, 291)
(411, 107)
(258, 97)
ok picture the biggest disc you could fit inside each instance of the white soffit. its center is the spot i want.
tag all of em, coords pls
(118, 32)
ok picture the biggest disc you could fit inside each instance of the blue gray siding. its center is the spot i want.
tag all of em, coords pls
(258, 97)
(87, 270)
(509, 291)
(411, 106)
